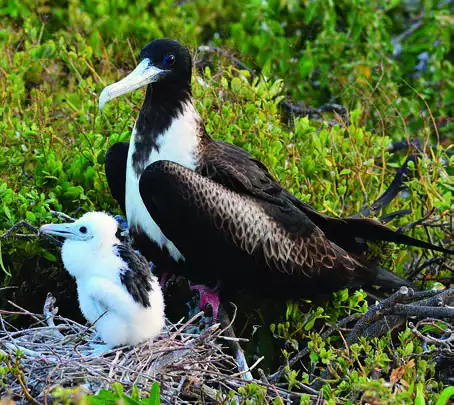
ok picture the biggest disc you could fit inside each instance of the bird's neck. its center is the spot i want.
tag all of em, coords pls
(168, 128)
(81, 258)
(160, 106)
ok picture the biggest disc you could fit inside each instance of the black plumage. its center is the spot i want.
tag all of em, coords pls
(136, 275)
(116, 159)
(228, 216)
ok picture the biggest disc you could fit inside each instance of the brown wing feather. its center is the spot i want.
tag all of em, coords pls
(245, 222)
(233, 167)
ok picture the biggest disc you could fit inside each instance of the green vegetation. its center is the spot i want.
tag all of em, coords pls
(108, 397)
(57, 57)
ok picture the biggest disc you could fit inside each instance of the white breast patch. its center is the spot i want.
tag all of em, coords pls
(177, 144)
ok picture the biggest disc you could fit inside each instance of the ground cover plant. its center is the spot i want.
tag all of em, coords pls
(338, 99)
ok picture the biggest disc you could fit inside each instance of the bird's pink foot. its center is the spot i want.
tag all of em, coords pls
(207, 296)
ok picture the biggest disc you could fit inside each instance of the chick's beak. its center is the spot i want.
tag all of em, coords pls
(64, 230)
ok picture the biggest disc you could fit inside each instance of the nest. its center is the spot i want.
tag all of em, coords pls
(188, 366)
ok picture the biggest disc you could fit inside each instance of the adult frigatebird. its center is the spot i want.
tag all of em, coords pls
(208, 210)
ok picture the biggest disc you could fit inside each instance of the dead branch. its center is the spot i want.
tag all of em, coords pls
(384, 317)
(377, 312)
(422, 311)
(394, 311)
(62, 215)
(397, 40)
(23, 224)
(238, 352)
(447, 330)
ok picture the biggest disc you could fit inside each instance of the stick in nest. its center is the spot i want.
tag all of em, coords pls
(48, 361)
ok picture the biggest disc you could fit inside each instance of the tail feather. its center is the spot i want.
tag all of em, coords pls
(346, 231)
(389, 280)
(374, 231)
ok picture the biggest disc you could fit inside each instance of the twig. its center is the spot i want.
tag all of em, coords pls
(427, 263)
(25, 312)
(419, 221)
(262, 376)
(234, 345)
(23, 224)
(282, 391)
(422, 311)
(243, 372)
(223, 52)
(396, 41)
(62, 215)
(448, 341)
(196, 316)
(19, 374)
(50, 310)
(176, 356)
(312, 112)
(306, 388)
(392, 312)
(14, 347)
(377, 312)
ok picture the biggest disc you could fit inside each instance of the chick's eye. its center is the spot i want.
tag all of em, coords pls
(168, 61)
(83, 229)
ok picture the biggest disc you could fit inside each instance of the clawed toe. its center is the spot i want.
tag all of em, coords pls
(208, 296)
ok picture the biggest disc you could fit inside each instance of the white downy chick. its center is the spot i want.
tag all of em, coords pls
(116, 289)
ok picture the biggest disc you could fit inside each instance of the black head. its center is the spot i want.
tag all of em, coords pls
(165, 65)
(172, 58)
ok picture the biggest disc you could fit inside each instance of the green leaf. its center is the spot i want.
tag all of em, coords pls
(7, 212)
(154, 395)
(49, 256)
(314, 357)
(1, 262)
(445, 396)
(104, 397)
(30, 216)
(409, 348)
(129, 400)
(310, 324)
(118, 388)
(135, 393)
(306, 66)
(419, 398)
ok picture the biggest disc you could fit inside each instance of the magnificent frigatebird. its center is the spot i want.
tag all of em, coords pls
(208, 210)
(117, 291)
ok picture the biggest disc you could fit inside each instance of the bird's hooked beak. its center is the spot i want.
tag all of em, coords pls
(64, 230)
(145, 73)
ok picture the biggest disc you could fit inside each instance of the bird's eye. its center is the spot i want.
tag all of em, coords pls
(168, 61)
(83, 229)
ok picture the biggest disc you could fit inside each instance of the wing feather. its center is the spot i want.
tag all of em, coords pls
(136, 275)
(234, 168)
(180, 195)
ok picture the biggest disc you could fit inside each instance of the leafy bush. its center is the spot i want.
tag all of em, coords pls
(58, 56)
